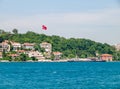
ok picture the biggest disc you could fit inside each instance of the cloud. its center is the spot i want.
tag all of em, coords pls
(108, 17)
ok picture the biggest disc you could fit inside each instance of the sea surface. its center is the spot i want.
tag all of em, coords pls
(60, 75)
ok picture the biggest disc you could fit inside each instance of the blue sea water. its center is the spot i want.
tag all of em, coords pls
(60, 75)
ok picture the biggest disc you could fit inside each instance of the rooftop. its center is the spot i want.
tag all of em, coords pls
(106, 55)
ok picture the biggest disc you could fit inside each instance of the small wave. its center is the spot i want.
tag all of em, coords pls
(54, 72)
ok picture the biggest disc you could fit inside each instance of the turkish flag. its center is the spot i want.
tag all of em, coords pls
(44, 27)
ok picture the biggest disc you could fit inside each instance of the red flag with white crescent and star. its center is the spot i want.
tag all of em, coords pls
(44, 27)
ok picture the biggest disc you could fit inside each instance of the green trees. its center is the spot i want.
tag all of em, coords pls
(70, 48)
(23, 57)
(15, 31)
(34, 59)
(1, 39)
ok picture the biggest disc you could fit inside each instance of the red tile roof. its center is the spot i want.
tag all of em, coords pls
(14, 55)
(21, 51)
(57, 53)
(106, 55)
(28, 44)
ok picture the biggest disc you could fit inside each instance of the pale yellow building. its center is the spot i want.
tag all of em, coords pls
(48, 49)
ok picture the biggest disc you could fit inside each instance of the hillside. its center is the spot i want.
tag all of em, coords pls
(69, 47)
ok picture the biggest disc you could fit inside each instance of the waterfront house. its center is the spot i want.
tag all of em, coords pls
(28, 46)
(21, 52)
(4, 46)
(16, 46)
(106, 57)
(36, 54)
(57, 55)
(48, 49)
(13, 56)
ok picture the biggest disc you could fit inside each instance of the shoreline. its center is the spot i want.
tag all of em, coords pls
(55, 61)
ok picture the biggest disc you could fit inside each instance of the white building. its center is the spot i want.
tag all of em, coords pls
(46, 46)
(36, 54)
(117, 46)
(4, 46)
(16, 46)
(57, 55)
(28, 46)
(48, 49)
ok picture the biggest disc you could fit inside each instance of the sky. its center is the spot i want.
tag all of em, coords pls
(97, 20)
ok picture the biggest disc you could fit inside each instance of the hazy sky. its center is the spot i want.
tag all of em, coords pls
(98, 20)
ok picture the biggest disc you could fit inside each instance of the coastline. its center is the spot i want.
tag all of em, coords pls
(54, 61)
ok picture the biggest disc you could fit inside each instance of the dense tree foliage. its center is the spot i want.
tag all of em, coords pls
(69, 47)
(15, 31)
